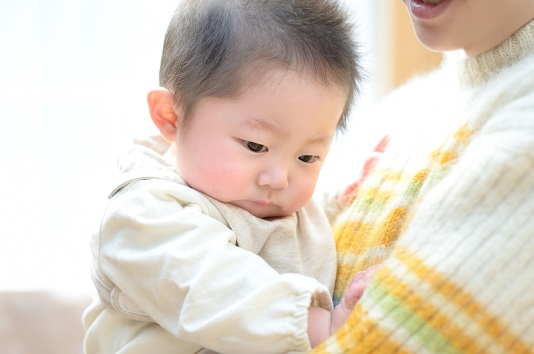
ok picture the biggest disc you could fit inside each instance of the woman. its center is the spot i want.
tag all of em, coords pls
(449, 209)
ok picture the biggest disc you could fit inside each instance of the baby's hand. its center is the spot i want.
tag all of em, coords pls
(353, 293)
(346, 195)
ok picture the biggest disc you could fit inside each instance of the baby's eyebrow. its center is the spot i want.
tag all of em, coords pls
(262, 124)
(321, 140)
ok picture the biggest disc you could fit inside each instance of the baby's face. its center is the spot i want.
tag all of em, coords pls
(263, 150)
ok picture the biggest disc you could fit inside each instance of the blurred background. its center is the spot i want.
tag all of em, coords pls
(73, 81)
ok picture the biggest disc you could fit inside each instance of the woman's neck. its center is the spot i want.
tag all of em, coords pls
(480, 68)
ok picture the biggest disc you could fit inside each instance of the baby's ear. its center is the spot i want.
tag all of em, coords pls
(162, 113)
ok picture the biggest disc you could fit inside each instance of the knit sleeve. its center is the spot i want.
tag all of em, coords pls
(459, 277)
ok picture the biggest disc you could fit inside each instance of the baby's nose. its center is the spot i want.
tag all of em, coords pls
(275, 177)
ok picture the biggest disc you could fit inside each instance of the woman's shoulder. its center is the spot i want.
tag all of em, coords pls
(508, 100)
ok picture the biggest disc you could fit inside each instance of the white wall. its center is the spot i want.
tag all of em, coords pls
(350, 149)
(73, 81)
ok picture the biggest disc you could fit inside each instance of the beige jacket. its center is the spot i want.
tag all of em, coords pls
(179, 272)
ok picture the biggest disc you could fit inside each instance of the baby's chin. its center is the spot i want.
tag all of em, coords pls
(262, 211)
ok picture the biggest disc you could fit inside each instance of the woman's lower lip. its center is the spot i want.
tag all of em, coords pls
(424, 11)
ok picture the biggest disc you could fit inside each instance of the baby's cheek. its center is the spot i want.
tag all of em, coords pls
(227, 180)
(303, 194)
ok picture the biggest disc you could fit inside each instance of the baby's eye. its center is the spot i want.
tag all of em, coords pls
(308, 158)
(255, 147)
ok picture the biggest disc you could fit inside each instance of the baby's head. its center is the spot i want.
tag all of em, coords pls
(213, 46)
(253, 93)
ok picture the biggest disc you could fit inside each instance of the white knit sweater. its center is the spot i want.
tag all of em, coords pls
(449, 212)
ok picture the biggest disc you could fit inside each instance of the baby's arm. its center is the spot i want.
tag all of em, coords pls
(322, 323)
(167, 262)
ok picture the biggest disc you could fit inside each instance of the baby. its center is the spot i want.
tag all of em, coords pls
(212, 242)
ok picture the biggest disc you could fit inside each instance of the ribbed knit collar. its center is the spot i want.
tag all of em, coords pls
(480, 68)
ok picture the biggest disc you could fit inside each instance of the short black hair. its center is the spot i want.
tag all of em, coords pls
(211, 46)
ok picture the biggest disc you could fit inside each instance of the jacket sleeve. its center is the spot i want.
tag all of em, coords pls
(163, 259)
(327, 200)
